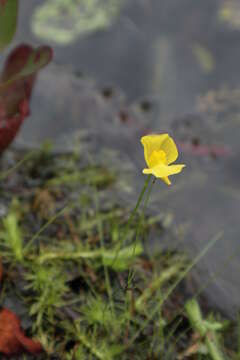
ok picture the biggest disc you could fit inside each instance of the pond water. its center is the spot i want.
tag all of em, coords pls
(123, 68)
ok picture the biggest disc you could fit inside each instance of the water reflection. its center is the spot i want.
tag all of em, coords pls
(177, 64)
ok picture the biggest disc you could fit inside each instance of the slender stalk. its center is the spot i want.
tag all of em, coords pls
(8, 172)
(173, 287)
(70, 255)
(164, 277)
(84, 339)
(132, 216)
(130, 220)
(107, 255)
(198, 324)
(106, 273)
(49, 222)
(131, 273)
(238, 335)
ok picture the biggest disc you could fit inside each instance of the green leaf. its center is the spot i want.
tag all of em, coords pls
(195, 316)
(121, 260)
(8, 21)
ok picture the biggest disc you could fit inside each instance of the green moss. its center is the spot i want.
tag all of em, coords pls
(88, 288)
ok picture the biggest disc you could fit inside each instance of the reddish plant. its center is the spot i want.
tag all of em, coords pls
(13, 341)
(3, 2)
(16, 84)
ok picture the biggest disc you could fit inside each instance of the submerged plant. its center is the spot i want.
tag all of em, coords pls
(89, 290)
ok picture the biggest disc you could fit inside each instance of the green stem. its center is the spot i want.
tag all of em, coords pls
(107, 255)
(164, 277)
(8, 172)
(213, 349)
(198, 324)
(69, 256)
(84, 339)
(182, 275)
(130, 220)
(131, 273)
(102, 245)
(132, 216)
(49, 222)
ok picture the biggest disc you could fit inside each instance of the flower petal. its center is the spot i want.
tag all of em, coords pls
(163, 171)
(156, 158)
(170, 149)
(152, 143)
(166, 180)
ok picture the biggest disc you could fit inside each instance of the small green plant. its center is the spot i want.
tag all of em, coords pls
(11, 235)
(48, 288)
(207, 342)
(89, 289)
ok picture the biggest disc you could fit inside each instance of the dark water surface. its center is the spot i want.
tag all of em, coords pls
(158, 65)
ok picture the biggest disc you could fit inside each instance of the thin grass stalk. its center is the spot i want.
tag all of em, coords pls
(175, 284)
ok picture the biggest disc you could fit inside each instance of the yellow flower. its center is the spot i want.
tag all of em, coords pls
(160, 151)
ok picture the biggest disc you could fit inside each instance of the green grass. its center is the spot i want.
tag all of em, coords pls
(79, 269)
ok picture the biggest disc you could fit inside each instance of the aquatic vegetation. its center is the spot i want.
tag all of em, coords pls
(64, 21)
(208, 342)
(160, 151)
(89, 287)
(49, 286)
(71, 255)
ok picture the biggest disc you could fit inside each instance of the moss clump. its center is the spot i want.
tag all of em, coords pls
(85, 287)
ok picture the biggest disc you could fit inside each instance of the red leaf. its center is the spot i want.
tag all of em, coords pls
(12, 338)
(3, 2)
(16, 84)
(13, 93)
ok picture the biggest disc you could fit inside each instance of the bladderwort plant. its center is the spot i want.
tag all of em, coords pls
(92, 292)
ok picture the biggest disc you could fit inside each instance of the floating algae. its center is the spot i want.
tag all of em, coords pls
(64, 20)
